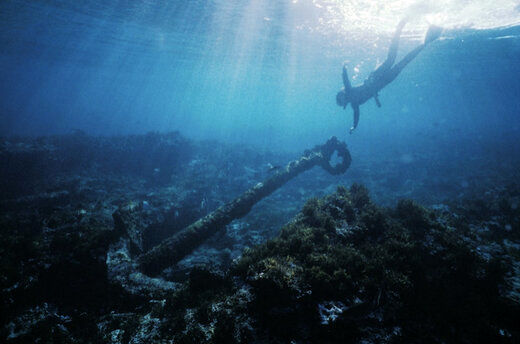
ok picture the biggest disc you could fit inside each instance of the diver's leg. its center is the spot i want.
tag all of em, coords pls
(394, 72)
(409, 57)
(433, 33)
(392, 50)
(394, 45)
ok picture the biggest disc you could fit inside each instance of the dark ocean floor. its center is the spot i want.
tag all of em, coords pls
(315, 262)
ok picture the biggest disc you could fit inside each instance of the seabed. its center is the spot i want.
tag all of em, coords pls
(312, 263)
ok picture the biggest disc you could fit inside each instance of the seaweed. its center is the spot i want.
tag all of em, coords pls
(343, 270)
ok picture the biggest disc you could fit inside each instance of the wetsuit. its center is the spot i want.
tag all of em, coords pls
(384, 74)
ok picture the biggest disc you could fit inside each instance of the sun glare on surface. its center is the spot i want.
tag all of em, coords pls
(380, 17)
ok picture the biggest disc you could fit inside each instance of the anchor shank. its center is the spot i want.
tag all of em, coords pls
(176, 247)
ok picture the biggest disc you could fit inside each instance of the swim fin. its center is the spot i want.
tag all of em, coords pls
(432, 34)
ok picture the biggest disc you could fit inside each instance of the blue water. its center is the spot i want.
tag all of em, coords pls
(249, 71)
(219, 92)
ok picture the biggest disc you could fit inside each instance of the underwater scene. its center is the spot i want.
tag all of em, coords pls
(259, 171)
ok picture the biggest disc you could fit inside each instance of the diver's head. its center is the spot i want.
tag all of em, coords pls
(342, 98)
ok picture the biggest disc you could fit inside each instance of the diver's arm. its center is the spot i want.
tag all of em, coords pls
(376, 98)
(356, 117)
(346, 81)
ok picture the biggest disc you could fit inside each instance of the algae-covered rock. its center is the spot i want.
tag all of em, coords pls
(346, 270)
(342, 271)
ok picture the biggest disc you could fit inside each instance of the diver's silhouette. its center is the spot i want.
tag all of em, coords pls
(383, 75)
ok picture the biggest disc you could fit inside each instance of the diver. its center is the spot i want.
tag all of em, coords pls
(383, 75)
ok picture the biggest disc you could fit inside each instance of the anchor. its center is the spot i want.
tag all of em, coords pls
(176, 247)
